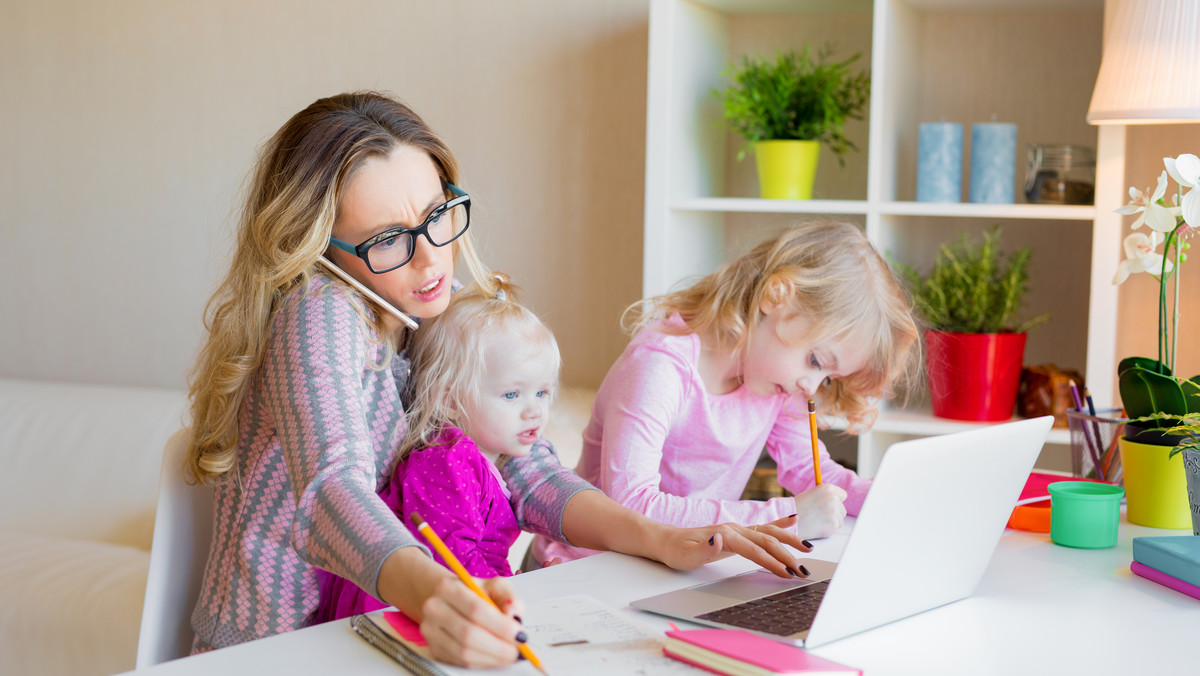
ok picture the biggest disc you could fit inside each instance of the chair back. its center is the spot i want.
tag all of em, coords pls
(182, 536)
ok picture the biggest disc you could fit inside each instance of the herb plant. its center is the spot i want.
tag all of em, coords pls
(796, 96)
(973, 289)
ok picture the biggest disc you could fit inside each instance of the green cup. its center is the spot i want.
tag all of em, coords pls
(1084, 514)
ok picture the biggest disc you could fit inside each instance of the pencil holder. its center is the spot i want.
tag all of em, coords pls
(1094, 452)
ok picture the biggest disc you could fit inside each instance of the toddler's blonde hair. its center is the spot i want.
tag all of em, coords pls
(830, 274)
(447, 355)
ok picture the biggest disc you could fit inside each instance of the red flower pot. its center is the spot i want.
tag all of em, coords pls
(974, 376)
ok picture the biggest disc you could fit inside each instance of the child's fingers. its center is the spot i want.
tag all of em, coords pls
(466, 630)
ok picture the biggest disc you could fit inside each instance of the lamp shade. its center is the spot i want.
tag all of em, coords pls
(1150, 70)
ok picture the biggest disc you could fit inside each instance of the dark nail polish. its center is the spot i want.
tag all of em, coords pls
(792, 572)
(518, 619)
(789, 516)
(711, 539)
(522, 637)
(803, 569)
(806, 543)
(520, 656)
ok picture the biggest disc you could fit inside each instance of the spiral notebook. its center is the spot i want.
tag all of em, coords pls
(373, 629)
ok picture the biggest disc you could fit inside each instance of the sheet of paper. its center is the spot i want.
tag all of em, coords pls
(581, 636)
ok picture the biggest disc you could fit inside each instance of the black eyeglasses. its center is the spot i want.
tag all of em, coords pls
(393, 248)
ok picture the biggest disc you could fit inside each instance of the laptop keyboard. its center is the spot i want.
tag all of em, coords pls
(783, 614)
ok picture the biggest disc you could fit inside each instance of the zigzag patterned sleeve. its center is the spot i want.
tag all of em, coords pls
(337, 417)
(541, 488)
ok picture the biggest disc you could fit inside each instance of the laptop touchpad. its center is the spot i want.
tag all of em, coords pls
(750, 585)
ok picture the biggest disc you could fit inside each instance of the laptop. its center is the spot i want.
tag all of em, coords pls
(923, 539)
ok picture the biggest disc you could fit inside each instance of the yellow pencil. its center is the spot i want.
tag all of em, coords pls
(457, 567)
(812, 426)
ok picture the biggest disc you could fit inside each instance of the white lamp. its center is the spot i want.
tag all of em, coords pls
(1150, 71)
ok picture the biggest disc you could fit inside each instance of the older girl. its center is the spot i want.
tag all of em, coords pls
(723, 369)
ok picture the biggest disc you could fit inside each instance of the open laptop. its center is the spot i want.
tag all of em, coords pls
(923, 539)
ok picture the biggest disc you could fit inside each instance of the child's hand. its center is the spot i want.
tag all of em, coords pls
(820, 511)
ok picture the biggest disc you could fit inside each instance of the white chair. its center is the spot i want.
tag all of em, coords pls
(182, 535)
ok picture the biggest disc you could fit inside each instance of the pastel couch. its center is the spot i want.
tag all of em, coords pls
(79, 469)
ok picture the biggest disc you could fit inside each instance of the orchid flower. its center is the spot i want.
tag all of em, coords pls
(1148, 209)
(1140, 256)
(1185, 169)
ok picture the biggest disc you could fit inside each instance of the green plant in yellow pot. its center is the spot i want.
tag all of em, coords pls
(1156, 400)
(786, 108)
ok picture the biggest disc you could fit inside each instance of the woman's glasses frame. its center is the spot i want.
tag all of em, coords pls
(361, 250)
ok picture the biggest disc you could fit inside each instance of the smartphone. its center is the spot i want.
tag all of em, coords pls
(409, 321)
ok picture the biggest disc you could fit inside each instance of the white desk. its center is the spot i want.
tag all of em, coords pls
(1040, 609)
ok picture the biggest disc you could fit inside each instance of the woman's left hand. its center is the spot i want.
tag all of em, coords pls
(688, 548)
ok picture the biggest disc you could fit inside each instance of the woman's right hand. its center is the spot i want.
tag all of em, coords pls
(820, 511)
(465, 630)
(461, 628)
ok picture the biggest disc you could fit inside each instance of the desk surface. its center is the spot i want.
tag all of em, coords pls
(1040, 609)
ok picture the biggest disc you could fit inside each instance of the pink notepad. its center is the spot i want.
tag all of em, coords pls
(1165, 580)
(739, 653)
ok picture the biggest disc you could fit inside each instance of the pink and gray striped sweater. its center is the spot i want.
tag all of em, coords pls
(318, 431)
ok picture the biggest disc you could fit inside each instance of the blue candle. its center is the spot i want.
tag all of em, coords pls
(939, 162)
(993, 162)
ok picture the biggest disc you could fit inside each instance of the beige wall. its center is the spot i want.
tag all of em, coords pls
(1137, 312)
(127, 128)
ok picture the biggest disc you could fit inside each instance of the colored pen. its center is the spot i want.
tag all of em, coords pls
(457, 567)
(812, 426)
(1087, 436)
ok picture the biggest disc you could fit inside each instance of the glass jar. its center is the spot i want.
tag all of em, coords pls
(1060, 174)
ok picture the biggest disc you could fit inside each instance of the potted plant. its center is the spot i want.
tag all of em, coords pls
(787, 107)
(1155, 399)
(1185, 430)
(974, 344)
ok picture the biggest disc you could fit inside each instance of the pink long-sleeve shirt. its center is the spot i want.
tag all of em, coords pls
(659, 443)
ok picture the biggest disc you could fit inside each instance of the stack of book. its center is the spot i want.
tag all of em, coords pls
(1171, 560)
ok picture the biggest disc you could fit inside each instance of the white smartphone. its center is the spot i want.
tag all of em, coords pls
(409, 321)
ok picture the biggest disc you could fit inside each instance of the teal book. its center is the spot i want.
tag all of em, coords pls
(1175, 555)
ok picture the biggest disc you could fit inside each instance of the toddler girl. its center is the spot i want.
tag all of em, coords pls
(724, 368)
(483, 375)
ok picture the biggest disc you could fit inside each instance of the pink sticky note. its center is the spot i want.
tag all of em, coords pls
(404, 625)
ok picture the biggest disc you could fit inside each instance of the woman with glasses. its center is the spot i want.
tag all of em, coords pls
(295, 397)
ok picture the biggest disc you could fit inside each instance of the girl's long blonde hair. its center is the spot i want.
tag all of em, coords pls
(285, 225)
(447, 355)
(825, 271)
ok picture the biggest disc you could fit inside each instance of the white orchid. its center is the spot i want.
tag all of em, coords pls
(1176, 223)
(1185, 169)
(1140, 256)
(1148, 209)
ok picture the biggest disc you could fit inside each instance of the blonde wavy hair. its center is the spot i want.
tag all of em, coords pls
(290, 209)
(447, 355)
(825, 271)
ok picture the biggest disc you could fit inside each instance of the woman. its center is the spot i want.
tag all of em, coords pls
(296, 396)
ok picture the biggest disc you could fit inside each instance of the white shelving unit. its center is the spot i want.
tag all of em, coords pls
(1032, 62)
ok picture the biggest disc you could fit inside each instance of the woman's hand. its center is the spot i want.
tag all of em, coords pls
(462, 628)
(820, 511)
(687, 548)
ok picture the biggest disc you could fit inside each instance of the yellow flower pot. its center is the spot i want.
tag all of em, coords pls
(1155, 486)
(786, 169)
